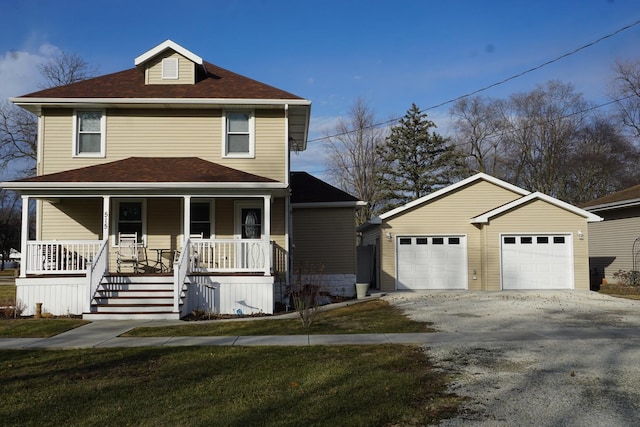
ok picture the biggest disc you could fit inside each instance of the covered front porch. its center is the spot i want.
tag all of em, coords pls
(197, 228)
(211, 275)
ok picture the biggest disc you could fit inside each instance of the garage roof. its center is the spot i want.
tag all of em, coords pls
(485, 217)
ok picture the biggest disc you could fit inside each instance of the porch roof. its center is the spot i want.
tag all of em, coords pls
(147, 173)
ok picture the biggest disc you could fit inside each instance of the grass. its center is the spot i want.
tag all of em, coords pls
(37, 328)
(232, 386)
(368, 317)
(7, 292)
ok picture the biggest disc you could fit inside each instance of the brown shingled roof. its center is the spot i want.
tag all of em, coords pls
(153, 169)
(215, 83)
(628, 194)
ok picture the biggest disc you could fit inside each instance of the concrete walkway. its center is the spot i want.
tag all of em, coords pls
(104, 334)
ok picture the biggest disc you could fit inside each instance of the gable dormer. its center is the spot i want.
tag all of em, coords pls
(169, 64)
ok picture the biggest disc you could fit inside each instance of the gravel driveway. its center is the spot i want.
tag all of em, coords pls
(558, 378)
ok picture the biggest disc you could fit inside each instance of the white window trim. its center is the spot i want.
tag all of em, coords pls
(116, 218)
(103, 134)
(252, 132)
(175, 63)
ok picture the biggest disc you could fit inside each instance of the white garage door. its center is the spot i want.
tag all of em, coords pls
(432, 262)
(537, 261)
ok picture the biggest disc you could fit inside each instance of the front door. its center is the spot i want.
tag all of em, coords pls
(249, 227)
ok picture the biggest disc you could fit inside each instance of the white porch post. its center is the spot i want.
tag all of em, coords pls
(267, 233)
(106, 209)
(186, 225)
(24, 236)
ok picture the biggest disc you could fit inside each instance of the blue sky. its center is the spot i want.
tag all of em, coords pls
(331, 52)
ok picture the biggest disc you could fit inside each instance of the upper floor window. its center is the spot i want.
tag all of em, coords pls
(89, 133)
(239, 134)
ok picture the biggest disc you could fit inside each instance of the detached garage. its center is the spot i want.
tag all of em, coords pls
(481, 234)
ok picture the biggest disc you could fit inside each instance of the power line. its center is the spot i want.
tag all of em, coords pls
(574, 113)
(485, 88)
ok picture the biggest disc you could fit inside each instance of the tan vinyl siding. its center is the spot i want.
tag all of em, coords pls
(72, 219)
(167, 133)
(444, 216)
(57, 148)
(186, 71)
(325, 238)
(164, 224)
(538, 217)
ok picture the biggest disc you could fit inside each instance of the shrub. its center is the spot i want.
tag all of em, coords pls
(627, 278)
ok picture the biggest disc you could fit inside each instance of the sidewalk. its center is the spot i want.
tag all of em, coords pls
(105, 334)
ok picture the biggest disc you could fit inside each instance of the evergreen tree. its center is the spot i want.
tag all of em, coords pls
(417, 160)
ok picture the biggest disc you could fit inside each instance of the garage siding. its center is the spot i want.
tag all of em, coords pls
(446, 215)
(542, 218)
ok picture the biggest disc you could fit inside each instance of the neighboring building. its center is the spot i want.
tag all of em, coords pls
(614, 244)
(191, 160)
(481, 234)
(324, 234)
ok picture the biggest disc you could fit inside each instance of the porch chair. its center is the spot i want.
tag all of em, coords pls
(193, 261)
(128, 251)
(195, 255)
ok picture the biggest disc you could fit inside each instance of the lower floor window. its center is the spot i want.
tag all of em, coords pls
(130, 218)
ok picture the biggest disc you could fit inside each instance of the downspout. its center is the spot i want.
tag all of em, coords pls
(287, 199)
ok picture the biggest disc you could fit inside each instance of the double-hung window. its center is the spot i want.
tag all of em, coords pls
(89, 133)
(201, 219)
(131, 218)
(238, 134)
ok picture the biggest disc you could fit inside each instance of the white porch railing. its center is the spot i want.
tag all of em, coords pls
(180, 271)
(60, 256)
(97, 270)
(230, 255)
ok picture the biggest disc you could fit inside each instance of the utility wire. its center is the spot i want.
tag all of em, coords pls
(574, 113)
(485, 88)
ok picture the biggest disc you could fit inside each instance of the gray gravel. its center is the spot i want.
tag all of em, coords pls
(542, 382)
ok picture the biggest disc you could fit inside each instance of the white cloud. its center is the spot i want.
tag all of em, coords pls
(19, 73)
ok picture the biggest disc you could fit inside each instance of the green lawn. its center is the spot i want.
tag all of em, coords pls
(224, 386)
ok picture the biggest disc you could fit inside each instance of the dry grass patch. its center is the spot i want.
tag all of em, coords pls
(368, 317)
(620, 290)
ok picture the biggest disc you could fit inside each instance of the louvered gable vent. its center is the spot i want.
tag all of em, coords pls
(170, 69)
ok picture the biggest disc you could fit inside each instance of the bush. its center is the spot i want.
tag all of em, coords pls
(627, 278)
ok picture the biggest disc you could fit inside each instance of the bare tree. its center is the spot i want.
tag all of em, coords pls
(353, 162)
(18, 139)
(541, 127)
(66, 68)
(603, 161)
(19, 128)
(626, 91)
(477, 129)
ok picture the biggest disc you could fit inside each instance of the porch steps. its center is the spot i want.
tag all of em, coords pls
(133, 297)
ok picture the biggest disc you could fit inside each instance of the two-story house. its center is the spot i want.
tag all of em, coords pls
(161, 189)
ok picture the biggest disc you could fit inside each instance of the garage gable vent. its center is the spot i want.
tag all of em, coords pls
(170, 69)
